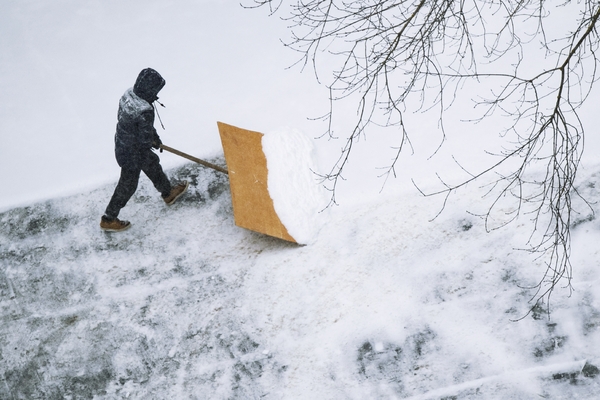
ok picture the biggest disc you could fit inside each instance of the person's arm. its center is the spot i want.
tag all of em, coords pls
(146, 129)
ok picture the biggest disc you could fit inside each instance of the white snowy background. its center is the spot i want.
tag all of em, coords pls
(384, 303)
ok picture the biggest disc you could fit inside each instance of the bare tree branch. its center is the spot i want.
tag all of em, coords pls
(396, 52)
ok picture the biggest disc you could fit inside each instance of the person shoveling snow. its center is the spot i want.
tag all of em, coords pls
(134, 141)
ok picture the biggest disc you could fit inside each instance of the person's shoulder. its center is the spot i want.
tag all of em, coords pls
(131, 101)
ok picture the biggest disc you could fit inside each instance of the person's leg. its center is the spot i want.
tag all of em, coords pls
(153, 170)
(125, 189)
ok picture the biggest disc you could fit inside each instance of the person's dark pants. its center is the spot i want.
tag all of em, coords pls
(128, 183)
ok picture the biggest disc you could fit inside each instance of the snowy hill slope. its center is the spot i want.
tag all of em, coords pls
(383, 305)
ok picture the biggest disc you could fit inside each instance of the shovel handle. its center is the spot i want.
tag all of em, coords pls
(192, 158)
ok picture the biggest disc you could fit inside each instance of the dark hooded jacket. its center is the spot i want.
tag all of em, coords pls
(135, 120)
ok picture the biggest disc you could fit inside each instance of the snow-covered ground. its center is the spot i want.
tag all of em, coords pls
(383, 303)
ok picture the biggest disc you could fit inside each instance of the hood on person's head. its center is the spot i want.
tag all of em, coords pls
(148, 84)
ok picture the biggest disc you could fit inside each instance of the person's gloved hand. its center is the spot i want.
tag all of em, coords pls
(156, 143)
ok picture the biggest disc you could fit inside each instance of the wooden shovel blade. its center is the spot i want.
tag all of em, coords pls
(247, 165)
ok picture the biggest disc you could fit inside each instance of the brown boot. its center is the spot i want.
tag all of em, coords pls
(113, 225)
(176, 192)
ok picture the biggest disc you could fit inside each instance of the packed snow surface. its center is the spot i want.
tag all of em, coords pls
(294, 187)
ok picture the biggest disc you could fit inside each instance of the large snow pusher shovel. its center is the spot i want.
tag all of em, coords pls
(247, 169)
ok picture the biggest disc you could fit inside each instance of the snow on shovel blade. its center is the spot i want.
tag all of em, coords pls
(252, 205)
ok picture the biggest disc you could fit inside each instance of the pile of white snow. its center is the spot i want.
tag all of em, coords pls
(298, 197)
